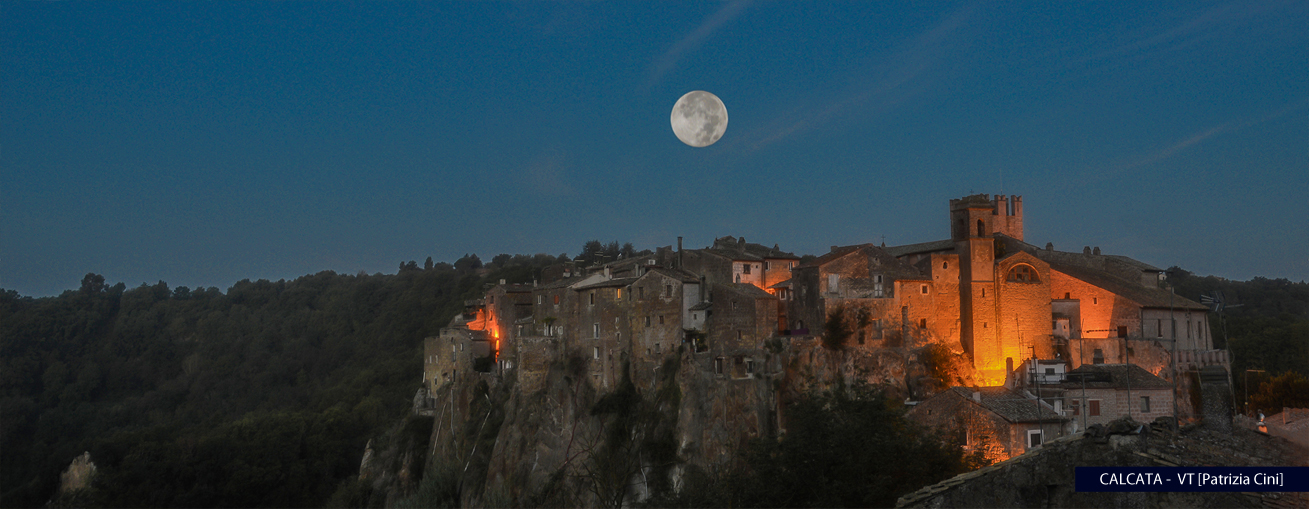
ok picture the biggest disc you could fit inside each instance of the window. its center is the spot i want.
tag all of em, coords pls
(922, 323)
(619, 293)
(833, 283)
(1159, 324)
(1049, 371)
(668, 290)
(556, 299)
(1145, 404)
(647, 321)
(981, 228)
(718, 366)
(595, 330)
(749, 366)
(640, 292)
(592, 296)
(739, 335)
(923, 288)
(1024, 274)
(1077, 407)
(1093, 407)
(765, 265)
(1122, 331)
(661, 319)
(595, 352)
(658, 349)
(745, 268)
(1033, 438)
(1068, 296)
(983, 292)
(945, 265)
(790, 265)
(1095, 300)
(877, 278)
(540, 299)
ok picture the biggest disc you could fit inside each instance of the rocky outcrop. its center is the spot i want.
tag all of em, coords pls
(78, 475)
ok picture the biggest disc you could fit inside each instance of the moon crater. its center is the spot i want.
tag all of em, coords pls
(699, 118)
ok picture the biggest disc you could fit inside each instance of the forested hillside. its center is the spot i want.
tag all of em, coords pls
(262, 396)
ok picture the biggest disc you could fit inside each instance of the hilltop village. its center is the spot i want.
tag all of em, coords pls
(1006, 343)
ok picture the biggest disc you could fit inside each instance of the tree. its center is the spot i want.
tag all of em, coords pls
(93, 283)
(1288, 390)
(849, 447)
(468, 263)
(427, 265)
(835, 329)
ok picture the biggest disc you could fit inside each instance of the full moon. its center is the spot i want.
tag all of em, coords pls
(699, 118)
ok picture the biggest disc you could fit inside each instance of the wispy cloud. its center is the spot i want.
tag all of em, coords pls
(669, 59)
(1206, 134)
(888, 82)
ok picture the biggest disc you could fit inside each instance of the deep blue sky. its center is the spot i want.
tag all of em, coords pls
(204, 143)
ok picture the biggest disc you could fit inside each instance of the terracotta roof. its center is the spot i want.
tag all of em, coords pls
(1113, 376)
(833, 255)
(1143, 295)
(678, 274)
(1009, 404)
(748, 290)
(621, 281)
(925, 247)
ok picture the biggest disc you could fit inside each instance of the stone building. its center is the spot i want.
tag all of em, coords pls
(998, 422)
(1100, 393)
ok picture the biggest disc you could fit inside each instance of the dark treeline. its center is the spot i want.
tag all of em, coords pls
(1265, 326)
(263, 396)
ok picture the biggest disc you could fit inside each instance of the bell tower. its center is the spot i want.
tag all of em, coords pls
(972, 223)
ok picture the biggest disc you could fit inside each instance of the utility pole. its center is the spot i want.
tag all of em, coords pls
(1172, 292)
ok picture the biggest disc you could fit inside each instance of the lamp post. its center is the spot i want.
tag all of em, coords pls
(1247, 388)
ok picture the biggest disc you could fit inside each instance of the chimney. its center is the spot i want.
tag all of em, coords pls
(608, 275)
(1049, 246)
(977, 396)
(1086, 250)
(1096, 251)
(502, 281)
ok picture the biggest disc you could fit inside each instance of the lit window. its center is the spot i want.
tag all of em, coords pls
(1024, 274)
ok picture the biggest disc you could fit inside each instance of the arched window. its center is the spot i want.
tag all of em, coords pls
(1024, 274)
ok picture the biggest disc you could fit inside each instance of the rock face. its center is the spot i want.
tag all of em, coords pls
(555, 438)
(1045, 477)
(78, 475)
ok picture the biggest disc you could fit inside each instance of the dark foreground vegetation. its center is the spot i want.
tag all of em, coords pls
(265, 395)
(262, 396)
